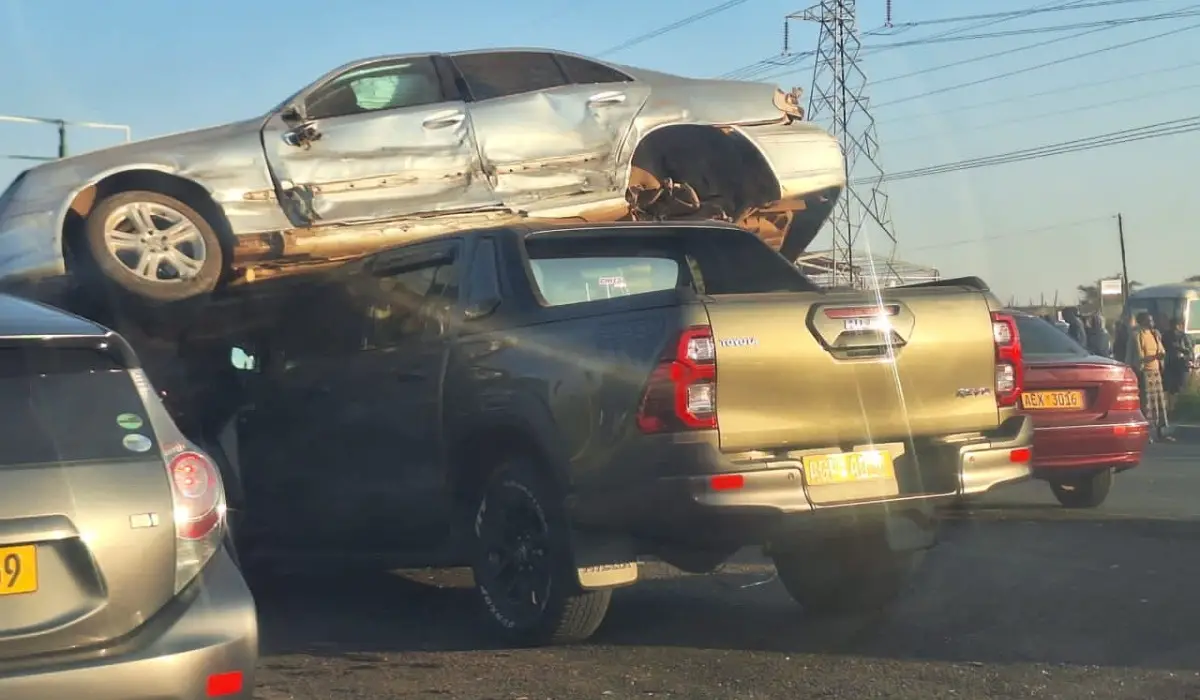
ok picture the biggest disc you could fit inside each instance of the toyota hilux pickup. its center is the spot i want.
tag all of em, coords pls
(551, 405)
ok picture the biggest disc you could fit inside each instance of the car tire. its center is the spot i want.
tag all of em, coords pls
(117, 236)
(856, 575)
(1085, 492)
(522, 548)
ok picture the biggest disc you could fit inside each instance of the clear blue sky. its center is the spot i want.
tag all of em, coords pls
(169, 66)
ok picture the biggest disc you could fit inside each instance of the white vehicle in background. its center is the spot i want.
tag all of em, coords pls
(388, 149)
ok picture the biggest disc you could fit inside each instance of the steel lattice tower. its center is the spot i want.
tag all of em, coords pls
(838, 98)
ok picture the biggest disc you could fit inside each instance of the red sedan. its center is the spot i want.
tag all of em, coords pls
(1086, 411)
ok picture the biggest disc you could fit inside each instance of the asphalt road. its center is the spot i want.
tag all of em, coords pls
(1021, 600)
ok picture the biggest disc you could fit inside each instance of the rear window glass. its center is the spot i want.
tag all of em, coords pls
(1040, 338)
(76, 415)
(587, 265)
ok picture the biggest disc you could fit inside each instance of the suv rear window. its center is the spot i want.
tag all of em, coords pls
(590, 264)
(1041, 338)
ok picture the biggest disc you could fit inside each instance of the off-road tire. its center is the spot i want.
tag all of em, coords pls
(861, 575)
(570, 614)
(115, 274)
(1085, 492)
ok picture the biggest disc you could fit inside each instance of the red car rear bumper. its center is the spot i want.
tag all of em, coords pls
(1064, 447)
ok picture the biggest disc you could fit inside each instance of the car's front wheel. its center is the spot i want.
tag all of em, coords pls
(153, 247)
(524, 567)
(1086, 491)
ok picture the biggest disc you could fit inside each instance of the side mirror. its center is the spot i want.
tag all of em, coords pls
(242, 360)
(291, 113)
(481, 309)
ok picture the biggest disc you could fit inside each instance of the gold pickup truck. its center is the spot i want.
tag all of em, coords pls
(549, 405)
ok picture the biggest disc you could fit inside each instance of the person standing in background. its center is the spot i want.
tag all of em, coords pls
(1126, 326)
(1097, 337)
(1075, 327)
(1145, 355)
(1178, 369)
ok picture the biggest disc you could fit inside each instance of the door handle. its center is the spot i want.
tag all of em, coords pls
(606, 98)
(414, 376)
(443, 120)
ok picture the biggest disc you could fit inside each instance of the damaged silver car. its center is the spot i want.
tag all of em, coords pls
(388, 149)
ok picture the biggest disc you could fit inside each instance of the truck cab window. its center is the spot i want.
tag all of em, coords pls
(412, 302)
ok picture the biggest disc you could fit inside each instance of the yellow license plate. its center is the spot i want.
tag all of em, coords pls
(18, 570)
(848, 468)
(1060, 400)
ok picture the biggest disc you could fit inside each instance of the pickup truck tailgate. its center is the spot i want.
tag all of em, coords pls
(806, 369)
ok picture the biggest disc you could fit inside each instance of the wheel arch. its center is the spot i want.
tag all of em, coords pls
(482, 446)
(748, 175)
(150, 177)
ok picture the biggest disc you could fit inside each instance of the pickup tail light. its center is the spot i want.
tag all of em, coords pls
(1129, 395)
(681, 392)
(1010, 371)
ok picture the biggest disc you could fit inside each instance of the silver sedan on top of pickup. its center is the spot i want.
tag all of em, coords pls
(389, 149)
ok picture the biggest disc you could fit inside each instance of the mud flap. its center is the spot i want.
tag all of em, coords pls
(604, 561)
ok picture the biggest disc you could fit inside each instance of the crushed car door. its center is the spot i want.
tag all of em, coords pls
(381, 140)
(541, 134)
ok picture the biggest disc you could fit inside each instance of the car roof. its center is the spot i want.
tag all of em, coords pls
(21, 318)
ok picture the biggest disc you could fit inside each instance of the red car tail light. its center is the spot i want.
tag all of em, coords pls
(1129, 395)
(681, 393)
(1010, 372)
(197, 494)
(196, 487)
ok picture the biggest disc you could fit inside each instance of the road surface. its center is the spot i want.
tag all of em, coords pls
(1021, 600)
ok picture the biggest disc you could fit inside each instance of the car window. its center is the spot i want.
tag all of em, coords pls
(412, 301)
(1193, 315)
(484, 282)
(576, 266)
(1040, 338)
(566, 280)
(504, 73)
(392, 85)
(583, 72)
(1169, 307)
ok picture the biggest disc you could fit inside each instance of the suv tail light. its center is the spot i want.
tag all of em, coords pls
(196, 489)
(681, 393)
(1010, 371)
(1129, 395)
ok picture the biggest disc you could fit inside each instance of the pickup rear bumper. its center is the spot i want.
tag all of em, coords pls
(691, 492)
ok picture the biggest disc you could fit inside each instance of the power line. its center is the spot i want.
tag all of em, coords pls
(1039, 66)
(1052, 91)
(1017, 14)
(1088, 27)
(1072, 110)
(1151, 131)
(679, 24)
(1011, 234)
(750, 70)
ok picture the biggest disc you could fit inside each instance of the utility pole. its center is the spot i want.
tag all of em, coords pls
(61, 125)
(1124, 268)
(838, 97)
